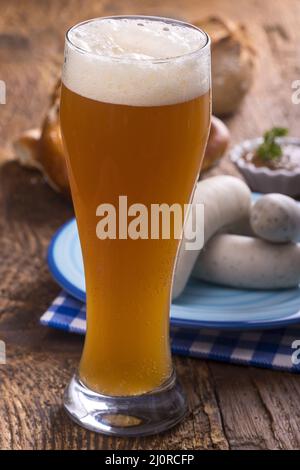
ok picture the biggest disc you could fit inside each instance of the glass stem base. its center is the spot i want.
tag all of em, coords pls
(136, 415)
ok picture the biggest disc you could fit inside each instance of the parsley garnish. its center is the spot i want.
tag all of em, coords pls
(270, 149)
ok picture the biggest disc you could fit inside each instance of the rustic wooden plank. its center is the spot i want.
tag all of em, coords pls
(272, 399)
(230, 407)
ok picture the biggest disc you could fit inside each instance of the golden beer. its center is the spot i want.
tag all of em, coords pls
(147, 145)
(152, 155)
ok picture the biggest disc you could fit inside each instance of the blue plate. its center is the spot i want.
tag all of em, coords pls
(200, 305)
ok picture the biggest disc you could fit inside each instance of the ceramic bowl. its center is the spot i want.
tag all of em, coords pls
(263, 179)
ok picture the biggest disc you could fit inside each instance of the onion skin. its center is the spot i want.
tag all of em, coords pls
(51, 156)
(43, 148)
(218, 141)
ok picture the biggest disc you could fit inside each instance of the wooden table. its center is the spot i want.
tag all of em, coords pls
(231, 407)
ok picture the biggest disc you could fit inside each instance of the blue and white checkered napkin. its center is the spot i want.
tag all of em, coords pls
(268, 348)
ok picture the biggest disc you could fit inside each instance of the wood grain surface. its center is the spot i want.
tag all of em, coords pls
(231, 407)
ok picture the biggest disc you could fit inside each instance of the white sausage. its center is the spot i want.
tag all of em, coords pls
(247, 262)
(276, 217)
(226, 200)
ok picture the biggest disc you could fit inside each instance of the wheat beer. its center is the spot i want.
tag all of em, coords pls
(135, 116)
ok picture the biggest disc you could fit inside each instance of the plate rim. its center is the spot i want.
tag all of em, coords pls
(57, 274)
(80, 295)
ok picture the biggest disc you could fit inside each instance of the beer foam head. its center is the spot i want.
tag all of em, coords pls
(137, 61)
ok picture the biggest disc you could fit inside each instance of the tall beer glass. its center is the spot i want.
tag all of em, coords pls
(135, 117)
